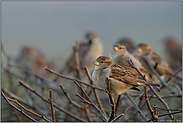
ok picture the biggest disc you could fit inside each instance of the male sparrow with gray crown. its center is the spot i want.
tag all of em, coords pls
(121, 79)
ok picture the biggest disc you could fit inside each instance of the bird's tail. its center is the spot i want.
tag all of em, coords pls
(142, 82)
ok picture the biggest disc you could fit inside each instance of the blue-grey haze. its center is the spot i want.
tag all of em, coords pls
(55, 26)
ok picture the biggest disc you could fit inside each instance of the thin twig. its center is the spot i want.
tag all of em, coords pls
(70, 100)
(166, 114)
(173, 75)
(73, 79)
(76, 48)
(111, 99)
(52, 108)
(95, 92)
(117, 103)
(21, 111)
(41, 116)
(157, 75)
(91, 102)
(169, 113)
(157, 95)
(88, 113)
(136, 107)
(149, 105)
(166, 109)
(46, 100)
(16, 97)
(116, 118)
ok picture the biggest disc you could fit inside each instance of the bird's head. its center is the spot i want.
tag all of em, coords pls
(102, 62)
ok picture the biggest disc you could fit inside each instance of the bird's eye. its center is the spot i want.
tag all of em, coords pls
(120, 48)
(102, 61)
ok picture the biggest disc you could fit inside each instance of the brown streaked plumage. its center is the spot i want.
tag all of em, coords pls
(88, 52)
(155, 60)
(173, 51)
(121, 79)
(120, 56)
(33, 59)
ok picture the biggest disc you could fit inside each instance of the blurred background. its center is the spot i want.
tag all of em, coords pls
(55, 26)
(38, 34)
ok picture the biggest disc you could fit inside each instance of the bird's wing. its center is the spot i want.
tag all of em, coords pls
(120, 74)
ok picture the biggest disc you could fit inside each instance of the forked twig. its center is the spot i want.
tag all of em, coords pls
(157, 95)
(111, 99)
(70, 100)
(21, 111)
(90, 101)
(73, 79)
(149, 105)
(95, 92)
(38, 115)
(137, 108)
(173, 75)
(46, 100)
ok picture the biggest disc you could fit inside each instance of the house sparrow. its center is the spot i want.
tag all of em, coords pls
(121, 79)
(88, 51)
(32, 59)
(128, 43)
(160, 65)
(120, 56)
(173, 51)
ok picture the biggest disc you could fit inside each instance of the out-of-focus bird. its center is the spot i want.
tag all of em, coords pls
(121, 56)
(32, 59)
(128, 43)
(173, 51)
(121, 79)
(88, 51)
(155, 60)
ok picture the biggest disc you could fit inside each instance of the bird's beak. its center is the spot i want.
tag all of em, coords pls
(96, 63)
(139, 50)
(115, 48)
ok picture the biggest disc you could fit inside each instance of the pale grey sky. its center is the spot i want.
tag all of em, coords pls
(55, 26)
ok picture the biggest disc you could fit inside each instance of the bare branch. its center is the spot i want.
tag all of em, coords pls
(46, 100)
(111, 99)
(95, 92)
(91, 102)
(38, 115)
(52, 108)
(21, 111)
(173, 75)
(137, 108)
(51, 71)
(70, 100)
(149, 105)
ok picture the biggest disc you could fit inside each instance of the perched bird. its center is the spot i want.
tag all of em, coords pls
(121, 56)
(88, 51)
(173, 52)
(128, 43)
(32, 59)
(121, 79)
(159, 64)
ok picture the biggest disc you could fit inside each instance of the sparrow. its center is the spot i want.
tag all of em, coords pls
(121, 80)
(173, 51)
(128, 43)
(155, 60)
(33, 59)
(88, 51)
(121, 56)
